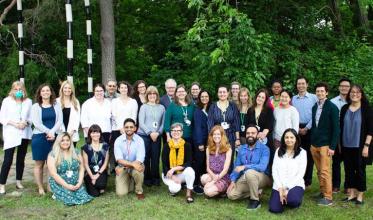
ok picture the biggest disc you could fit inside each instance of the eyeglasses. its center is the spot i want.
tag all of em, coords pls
(177, 131)
(355, 93)
(98, 91)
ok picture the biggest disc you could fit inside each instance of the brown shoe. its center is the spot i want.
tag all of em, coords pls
(140, 196)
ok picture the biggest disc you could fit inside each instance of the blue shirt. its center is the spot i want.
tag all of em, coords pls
(352, 129)
(339, 102)
(256, 159)
(129, 152)
(304, 106)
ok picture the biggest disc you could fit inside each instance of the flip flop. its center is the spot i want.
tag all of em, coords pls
(189, 199)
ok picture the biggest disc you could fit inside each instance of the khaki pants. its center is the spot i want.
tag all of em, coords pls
(125, 178)
(248, 185)
(322, 161)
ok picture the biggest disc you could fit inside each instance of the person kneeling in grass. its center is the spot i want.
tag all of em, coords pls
(177, 160)
(66, 171)
(129, 151)
(289, 166)
(250, 171)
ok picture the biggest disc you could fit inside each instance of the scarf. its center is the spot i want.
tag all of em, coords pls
(176, 160)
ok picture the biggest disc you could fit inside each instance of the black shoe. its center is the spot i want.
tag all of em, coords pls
(148, 183)
(349, 200)
(198, 190)
(359, 203)
(156, 182)
(253, 205)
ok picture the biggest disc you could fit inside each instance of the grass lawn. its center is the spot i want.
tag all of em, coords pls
(159, 205)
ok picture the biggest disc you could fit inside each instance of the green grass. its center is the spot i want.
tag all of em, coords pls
(159, 205)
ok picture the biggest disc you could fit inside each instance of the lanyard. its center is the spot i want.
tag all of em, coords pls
(242, 117)
(251, 156)
(185, 113)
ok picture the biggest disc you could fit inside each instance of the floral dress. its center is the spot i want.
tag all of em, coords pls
(216, 166)
(69, 171)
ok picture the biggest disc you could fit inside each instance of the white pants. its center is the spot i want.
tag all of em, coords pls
(187, 176)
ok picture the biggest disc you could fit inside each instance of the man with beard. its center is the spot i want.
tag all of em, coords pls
(129, 150)
(251, 171)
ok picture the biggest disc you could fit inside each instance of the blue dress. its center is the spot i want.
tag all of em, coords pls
(39, 144)
(68, 197)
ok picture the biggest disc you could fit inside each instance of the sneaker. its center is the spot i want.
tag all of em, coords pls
(253, 205)
(336, 190)
(325, 202)
(198, 190)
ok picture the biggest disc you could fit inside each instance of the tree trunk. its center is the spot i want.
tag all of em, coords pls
(336, 16)
(107, 40)
(360, 18)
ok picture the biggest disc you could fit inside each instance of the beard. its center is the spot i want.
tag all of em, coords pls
(250, 141)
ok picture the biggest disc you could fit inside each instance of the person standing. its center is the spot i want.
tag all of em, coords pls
(15, 118)
(168, 98)
(234, 90)
(200, 134)
(339, 101)
(324, 139)
(195, 89)
(97, 110)
(226, 114)
(181, 111)
(139, 88)
(129, 150)
(46, 116)
(303, 102)
(276, 89)
(244, 103)
(70, 110)
(151, 120)
(356, 140)
(111, 90)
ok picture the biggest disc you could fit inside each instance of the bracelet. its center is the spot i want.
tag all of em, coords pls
(366, 144)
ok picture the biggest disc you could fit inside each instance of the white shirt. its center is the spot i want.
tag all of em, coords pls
(285, 118)
(74, 121)
(96, 113)
(121, 111)
(288, 172)
(11, 111)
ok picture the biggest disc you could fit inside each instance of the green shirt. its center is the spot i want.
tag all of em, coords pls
(175, 113)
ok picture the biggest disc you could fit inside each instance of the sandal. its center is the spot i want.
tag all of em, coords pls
(189, 199)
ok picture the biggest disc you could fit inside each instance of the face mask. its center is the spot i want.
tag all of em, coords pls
(19, 94)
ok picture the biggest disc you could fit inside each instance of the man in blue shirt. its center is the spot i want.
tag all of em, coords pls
(303, 102)
(129, 150)
(250, 171)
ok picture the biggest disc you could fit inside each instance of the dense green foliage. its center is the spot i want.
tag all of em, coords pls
(213, 42)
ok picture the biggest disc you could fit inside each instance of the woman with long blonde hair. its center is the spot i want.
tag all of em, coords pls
(66, 171)
(218, 160)
(15, 118)
(70, 110)
(244, 103)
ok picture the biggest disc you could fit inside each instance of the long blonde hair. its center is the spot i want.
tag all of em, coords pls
(73, 99)
(57, 153)
(224, 143)
(20, 84)
(249, 103)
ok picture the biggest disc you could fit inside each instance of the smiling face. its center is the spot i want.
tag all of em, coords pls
(235, 89)
(99, 93)
(205, 98)
(65, 142)
(45, 93)
(290, 140)
(194, 90)
(111, 87)
(276, 88)
(176, 132)
(355, 94)
(216, 136)
(66, 90)
(261, 98)
(152, 97)
(302, 85)
(129, 129)
(95, 136)
(344, 87)
(285, 98)
(170, 88)
(141, 88)
(222, 94)
(321, 93)
(123, 89)
(181, 93)
(244, 97)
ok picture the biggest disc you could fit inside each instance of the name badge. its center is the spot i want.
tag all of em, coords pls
(243, 128)
(96, 168)
(69, 173)
(155, 124)
(225, 125)
(187, 122)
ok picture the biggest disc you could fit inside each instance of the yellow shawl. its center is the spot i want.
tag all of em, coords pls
(179, 159)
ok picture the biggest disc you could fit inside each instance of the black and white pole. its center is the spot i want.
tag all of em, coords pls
(70, 42)
(89, 45)
(21, 53)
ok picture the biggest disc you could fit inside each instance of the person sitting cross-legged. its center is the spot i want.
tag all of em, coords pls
(250, 171)
(129, 151)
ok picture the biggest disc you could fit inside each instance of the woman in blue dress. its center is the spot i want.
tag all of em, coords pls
(46, 116)
(66, 171)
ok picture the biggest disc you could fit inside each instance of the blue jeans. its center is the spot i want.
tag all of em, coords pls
(152, 155)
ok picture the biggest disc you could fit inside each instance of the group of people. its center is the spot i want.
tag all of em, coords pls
(235, 146)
